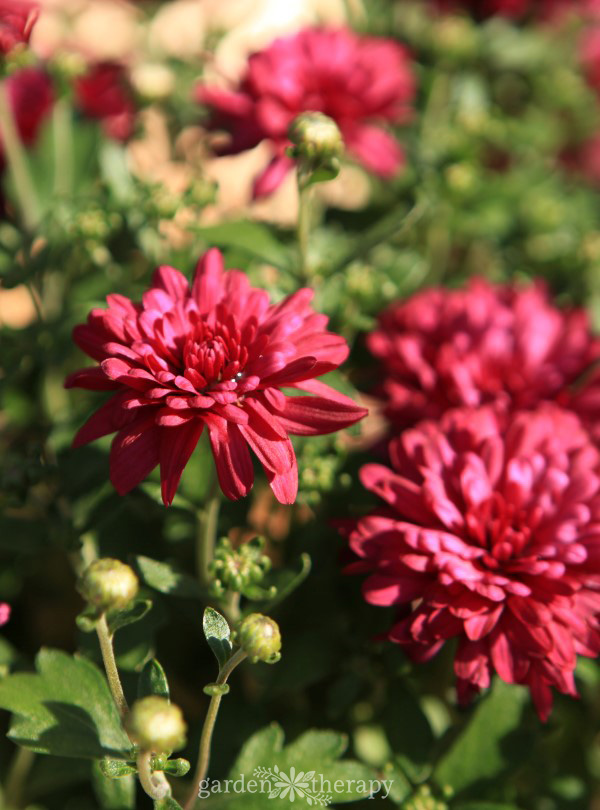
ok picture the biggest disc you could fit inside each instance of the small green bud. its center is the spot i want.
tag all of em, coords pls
(109, 584)
(316, 138)
(156, 725)
(260, 638)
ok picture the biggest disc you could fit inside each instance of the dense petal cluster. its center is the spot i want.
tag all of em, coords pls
(490, 535)
(501, 344)
(17, 18)
(362, 83)
(216, 355)
(104, 94)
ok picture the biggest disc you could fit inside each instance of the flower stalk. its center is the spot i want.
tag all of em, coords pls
(110, 665)
(154, 783)
(209, 726)
(17, 162)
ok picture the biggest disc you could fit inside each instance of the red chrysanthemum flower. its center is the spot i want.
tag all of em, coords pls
(4, 613)
(218, 355)
(491, 535)
(103, 93)
(17, 18)
(501, 344)
(362, 83)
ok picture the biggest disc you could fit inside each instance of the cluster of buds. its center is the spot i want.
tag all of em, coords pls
(240, 570)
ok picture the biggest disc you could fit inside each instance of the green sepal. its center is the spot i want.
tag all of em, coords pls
(121, 618)
(87, 620)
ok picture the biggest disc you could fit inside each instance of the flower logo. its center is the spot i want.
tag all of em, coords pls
(292, 786)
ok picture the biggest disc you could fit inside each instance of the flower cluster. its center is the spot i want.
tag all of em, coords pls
(215, 354)
(362, 83)
(489, 533)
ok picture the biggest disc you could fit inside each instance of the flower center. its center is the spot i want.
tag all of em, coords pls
(214, 353)
(500, 527)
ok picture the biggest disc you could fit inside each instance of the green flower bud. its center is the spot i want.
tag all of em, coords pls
(260, 638)
(109, 584)
(316, 137)
(155, 724)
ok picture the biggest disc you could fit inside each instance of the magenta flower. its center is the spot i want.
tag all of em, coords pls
(215, 355)
(490, 535)
(484, 344)
(361, 82)
(17, 18)
(4, 613)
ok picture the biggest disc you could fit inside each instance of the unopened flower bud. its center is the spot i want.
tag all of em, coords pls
(155, 724)
(316, 137)
(260, 638)
(109, 584)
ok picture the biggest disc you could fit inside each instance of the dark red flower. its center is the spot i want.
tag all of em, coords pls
(501, 344)
(31, 96)
(103, 93)
(17, 18)
(361, 82)
(491, 535)
(218, 355)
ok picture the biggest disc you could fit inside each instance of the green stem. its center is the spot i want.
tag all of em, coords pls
(208, 521)
(208, 728)
(17, 163)
(155, 783)
(110, 665)
(303, 226)
(17, 776)
(62, 125)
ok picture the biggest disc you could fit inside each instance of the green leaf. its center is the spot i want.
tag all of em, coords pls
(324, 173)
(315, 753)
(480, 751)
(484, 806)
(253, 238)
(121, 618)
(218, 634)
(113, 794)
(167, 804)
(408, 731)
(65, 709)
(153, 680)
(164, 578)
